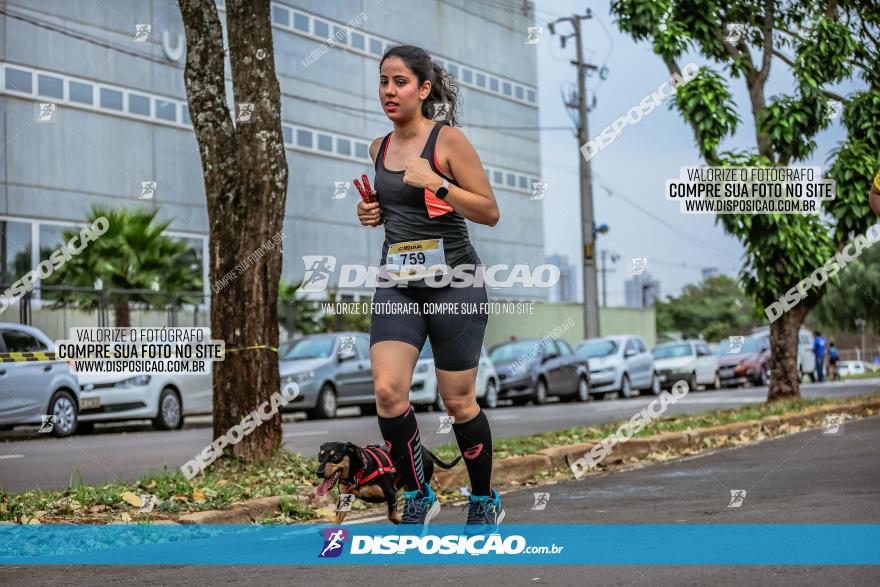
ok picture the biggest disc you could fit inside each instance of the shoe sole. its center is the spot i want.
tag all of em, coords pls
(432, 513)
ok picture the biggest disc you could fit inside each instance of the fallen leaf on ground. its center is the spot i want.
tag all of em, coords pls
(199, 496)
(131, 499)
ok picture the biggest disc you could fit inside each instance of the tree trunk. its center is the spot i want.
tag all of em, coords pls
(245, 171)
(785, 380)
(122, 314)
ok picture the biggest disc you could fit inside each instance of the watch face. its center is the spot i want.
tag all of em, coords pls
(441, 192)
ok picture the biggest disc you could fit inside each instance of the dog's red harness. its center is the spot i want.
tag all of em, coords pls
(381, 469)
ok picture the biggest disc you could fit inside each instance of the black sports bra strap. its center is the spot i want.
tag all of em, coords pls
(432, 140)
(381, 154)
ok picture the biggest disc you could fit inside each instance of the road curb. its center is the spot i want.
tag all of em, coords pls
(521, 468)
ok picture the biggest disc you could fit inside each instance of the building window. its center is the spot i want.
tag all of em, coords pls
(15, 250)
(343, 147)
(519, 92)
(322, 29)
(505, 87)
(81, 93)
(481, 80)
(376, 46)
(493, 84)
(325, 143)
(511, 179)
(340, 35)
(287, 133)
(530, 96)
(301, 22)
(18, 80)
(357, 41)
(184, 111)
(498, 178)
(49, 86)
(304, 138)
(523, 182)
(164, 109)
(280, 15)
(453, 70)
(111, 99)
(362, 150)
(466, 75)
(138, 104)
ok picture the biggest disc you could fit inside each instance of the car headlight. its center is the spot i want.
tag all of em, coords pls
(422, 368)
(298, 377)
(137, 381)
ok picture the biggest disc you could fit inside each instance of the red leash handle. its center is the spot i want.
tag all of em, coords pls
(366, 191)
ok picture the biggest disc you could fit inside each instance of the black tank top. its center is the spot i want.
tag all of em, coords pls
(413, 213)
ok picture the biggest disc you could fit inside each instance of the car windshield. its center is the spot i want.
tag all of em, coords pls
(672, 351)
(597, 348)
(748, 346)
(319, 347)
(514, 350)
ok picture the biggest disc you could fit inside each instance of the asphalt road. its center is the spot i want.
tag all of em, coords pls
(29, 460)
(802, 478)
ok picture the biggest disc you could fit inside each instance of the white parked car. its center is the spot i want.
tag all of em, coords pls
(30, 390)
(619, 364)
(688, 360)
(164, 398)
(850, 368)
(424, 384)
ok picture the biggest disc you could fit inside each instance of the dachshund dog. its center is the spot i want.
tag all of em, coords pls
(367, 472)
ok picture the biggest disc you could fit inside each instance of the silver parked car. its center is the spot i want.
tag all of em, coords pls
(619, 364)
(332, 370)
(30, 390)
(424, 391)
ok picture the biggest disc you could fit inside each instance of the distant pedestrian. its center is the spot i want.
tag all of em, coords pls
(833, 357)
(819, 352)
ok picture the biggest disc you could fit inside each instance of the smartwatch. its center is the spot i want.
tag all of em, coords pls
(443, 190)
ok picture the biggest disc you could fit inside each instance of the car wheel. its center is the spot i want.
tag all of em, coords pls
(63, 407)
(583, 390)
(813, 377)
(765, 376)
(692, 382)
(325, 408)
(520, 401)
(626, 387)
(656, 388)
(490, 400)
(716, 384)
(170, 416)
(539, 395)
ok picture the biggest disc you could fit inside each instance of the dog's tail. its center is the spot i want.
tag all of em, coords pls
(441, 463)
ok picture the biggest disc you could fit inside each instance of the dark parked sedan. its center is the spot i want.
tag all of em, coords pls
(534, 369)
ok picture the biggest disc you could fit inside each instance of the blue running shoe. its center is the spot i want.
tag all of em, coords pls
(485, 512)
(419, 507)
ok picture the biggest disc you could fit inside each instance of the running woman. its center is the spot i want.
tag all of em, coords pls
(429, 179)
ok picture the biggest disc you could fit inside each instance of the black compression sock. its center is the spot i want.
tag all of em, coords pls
(401, 435)
(475, 442)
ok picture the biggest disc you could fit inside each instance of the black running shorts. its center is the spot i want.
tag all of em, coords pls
(454, 318)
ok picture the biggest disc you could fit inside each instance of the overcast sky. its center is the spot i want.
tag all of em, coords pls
(638, 163)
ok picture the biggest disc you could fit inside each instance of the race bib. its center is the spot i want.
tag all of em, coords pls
(416, 259)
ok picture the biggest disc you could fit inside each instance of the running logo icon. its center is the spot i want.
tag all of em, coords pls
(541, 501)
(333, 542)
(733, 32)
(340, 189)
(245, 112)
(833, 424)
(735, 344)
(639, 265)
(439, 111)
(318, 270)
(737, 497)
(148, 189)
(538, 190)
(833, 109)
(46, 113)
(142, 33)
(344, 503)
(534, 35)
(445, 424)
(47, 423)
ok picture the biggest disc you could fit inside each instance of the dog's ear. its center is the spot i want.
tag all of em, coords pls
(354, 454)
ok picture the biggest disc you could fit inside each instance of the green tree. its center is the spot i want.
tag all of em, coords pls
(308, 318)
(857, 295)
(715, 308)
(134, 254)
(818, 44)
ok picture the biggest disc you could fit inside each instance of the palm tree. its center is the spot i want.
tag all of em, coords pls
(134, 254)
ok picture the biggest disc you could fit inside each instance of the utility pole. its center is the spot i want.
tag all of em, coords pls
(604, 269)
(590, 281)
